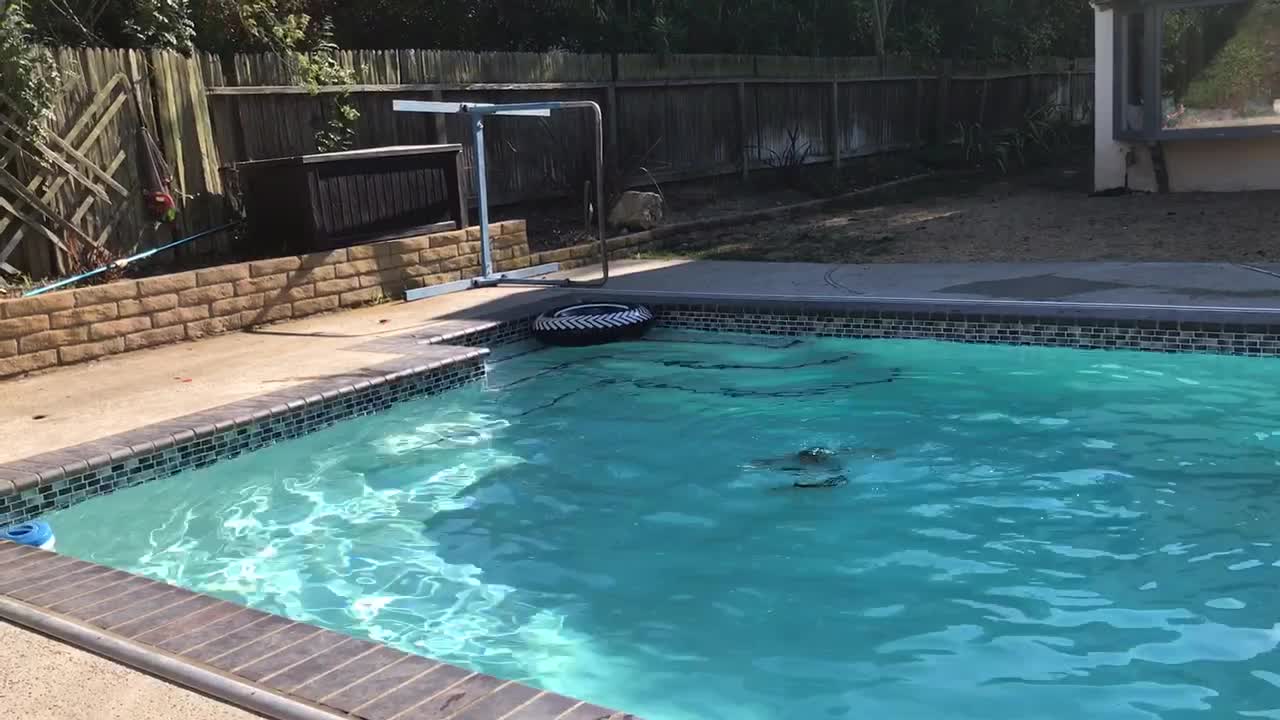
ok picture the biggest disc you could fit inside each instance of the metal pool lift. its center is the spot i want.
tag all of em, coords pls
(477, 112)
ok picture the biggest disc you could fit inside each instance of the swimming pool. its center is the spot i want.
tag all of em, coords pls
(1009, 532)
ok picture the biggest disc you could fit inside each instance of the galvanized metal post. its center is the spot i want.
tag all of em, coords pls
(482, 187)
(522, 276)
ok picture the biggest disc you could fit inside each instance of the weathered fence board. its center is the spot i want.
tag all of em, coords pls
(657, 67)
(85, 180)
(75, 192)
(188, 144)
(670, 132)
(529, 157)
(394, 67)
(792, 121)
(677, 116)
(879, 117)
(816, 67)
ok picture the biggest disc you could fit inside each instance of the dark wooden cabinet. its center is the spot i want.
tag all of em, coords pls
(308, 203)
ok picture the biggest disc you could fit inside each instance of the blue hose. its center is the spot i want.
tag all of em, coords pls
(125, 261)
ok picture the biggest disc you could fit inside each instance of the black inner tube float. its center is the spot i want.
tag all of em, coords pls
(592, 324)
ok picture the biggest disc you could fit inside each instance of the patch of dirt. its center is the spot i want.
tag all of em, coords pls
(1044, 217)
(560, 223)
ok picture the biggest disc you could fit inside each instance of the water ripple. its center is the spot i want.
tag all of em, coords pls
(1024, 532)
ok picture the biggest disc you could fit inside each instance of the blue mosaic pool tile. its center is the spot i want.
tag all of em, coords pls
(1082, 333)
(502, 333)
(243, 431)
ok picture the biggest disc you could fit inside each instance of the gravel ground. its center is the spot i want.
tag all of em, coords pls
(1047, 217)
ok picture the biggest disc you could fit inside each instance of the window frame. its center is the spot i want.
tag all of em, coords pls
(1153, 12)
(1122, 74)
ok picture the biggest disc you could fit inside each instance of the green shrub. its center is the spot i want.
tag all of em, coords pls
(28, 76)
(1246, 68)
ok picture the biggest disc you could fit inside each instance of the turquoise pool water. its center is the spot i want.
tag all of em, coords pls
(1011, 532)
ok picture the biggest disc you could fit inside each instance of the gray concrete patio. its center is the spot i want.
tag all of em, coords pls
(46, 679)
(1204, 287)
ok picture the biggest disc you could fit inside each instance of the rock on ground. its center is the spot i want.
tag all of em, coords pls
(637, 211)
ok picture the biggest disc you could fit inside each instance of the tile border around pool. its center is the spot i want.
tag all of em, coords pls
(59, 479)
(1182, 330)
(437, 357)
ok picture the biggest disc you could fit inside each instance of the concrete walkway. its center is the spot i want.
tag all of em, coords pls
(1200, 286)
(47, 680)
(66, 406)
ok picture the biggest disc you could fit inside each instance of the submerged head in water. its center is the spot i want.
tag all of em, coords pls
(820, 458)
(803, 461)
(834, 481)
(818, 467)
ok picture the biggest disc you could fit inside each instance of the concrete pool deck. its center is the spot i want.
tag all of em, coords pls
(1198, 287)
(67, 406)
(76, 404)
(46, 679)
(70, 405)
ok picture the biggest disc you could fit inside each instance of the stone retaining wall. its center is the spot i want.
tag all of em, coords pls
(63, 328)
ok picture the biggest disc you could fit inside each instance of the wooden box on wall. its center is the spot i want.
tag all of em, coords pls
(306, 203)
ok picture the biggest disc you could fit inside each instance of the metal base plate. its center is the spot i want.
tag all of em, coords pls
(485, 281)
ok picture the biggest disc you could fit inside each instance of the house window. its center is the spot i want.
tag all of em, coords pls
(1197, 68)
(1132, 61)
(1219, 65)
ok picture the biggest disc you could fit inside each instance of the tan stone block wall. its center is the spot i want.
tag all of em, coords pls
(158, 336)
(146, 305)
(303, 308)
(85, 315)
(589, 253)
(71, 326)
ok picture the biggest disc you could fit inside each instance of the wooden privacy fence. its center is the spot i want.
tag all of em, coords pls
(74, 197)
(673, 117)
(676, 118)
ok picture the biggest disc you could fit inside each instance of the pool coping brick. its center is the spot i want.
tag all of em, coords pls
(264, 660)
(345, 675)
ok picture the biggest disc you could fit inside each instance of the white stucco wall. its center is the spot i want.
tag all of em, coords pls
(1193, 165)
(1223, 165)
(1109, 156)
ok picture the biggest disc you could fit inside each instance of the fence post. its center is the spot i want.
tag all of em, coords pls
(982, 100)
(611, 115)
(456, 191)
(442, 126)
(919, 119)
(836, 135)
(743, 148)
(944, 102)
(1071, 91)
